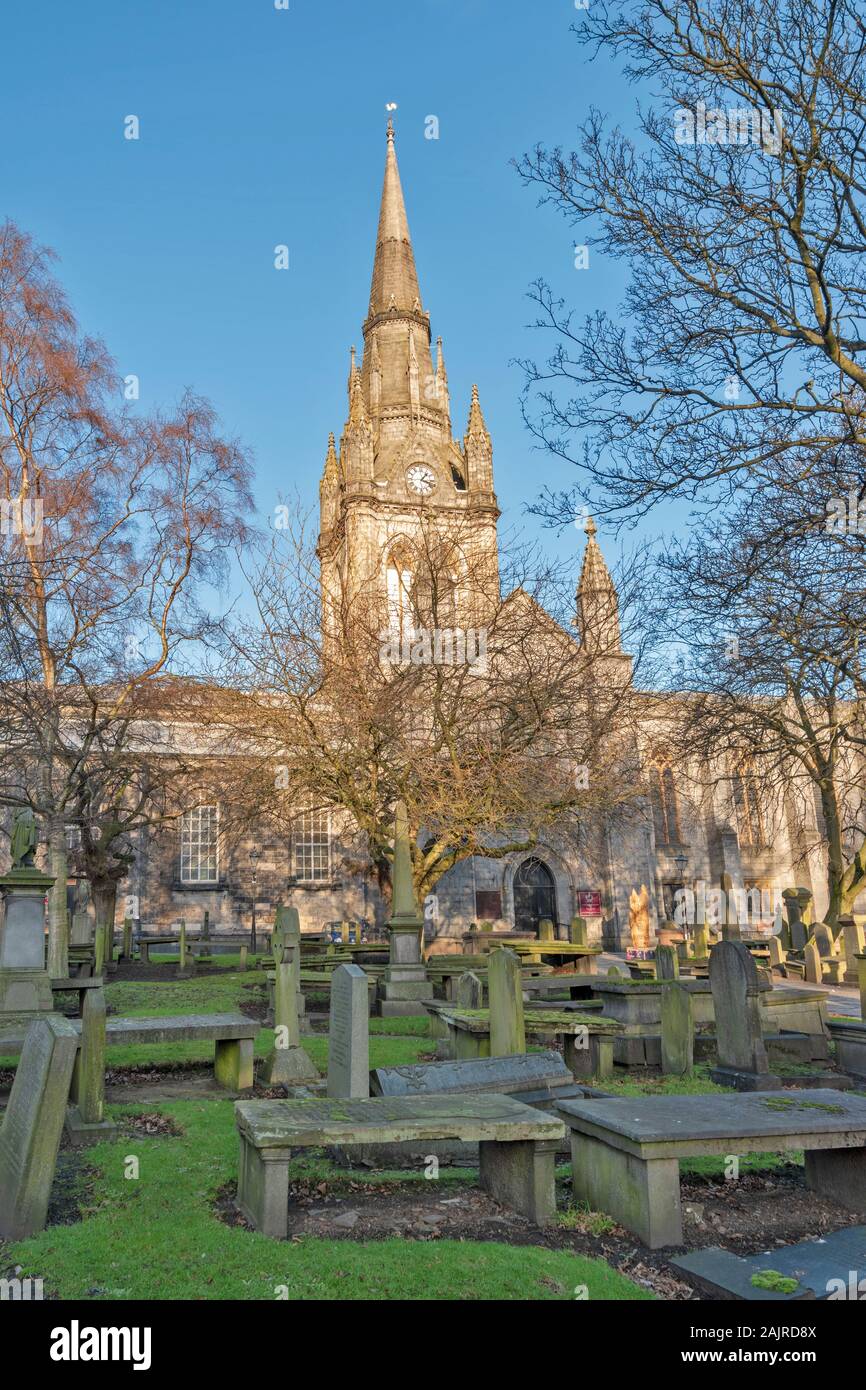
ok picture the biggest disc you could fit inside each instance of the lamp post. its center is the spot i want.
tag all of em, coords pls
(255, 855)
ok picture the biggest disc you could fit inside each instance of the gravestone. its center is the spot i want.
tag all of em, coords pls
(578, 932)
(742, 1056)
(814, 969)
(777, 955)
(797, 907)
(205, 936)
(85, 1119)
(25, 985)
(832, 964)
(405, 983)
(730, 920)
(287, 1063)
(469, 992)
(185, 962)
(505, 990)
(678, 1030)
(701, 939)
(861, 981)
(81, 932)
(852, 944)
(667, 963)
(126, 941)
(529, 1071)
(546, 930)
(32, 1125)
(242, 957)
(349, 1034)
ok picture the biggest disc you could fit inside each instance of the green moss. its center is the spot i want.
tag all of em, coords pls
(771, 1279)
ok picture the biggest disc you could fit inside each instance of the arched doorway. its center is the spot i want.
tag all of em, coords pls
(534, 895)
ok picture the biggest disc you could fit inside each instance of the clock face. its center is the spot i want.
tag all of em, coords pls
(421, 479)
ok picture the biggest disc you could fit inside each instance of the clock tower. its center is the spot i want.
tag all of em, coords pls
(407, 513)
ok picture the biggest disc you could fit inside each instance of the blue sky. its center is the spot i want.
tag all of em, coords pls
(261, 126)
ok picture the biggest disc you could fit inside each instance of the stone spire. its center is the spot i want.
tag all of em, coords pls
(329, 487)
(478, 449)
(442, 393)
(395, 280)
(597, 616)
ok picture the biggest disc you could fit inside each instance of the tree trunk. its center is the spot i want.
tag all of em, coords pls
(58, 922)
(105, 901)
(835, 855)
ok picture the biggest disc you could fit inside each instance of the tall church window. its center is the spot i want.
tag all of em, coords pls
(747, 800)
(311, 842)
(663, 796)
(400, 583)
(199, 845)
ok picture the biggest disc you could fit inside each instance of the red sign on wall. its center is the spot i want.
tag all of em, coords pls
(589, 903)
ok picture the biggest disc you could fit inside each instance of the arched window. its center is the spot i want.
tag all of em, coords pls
(663, 796)
(747, 800)
(534, 895)
(400, 581)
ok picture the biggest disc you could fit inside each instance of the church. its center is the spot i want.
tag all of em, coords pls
(399, 466)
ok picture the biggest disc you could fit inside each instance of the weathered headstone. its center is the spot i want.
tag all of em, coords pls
(85, 1120)
(505, 990)
(81, 932)
(469, 992)
(546, 930)
(814, 969)
(287, 1063)
(349, 1034)
(405, 983)
(205, 936)
(185, 962)
(861, 981)
(126, 943)
(701, 940)
(667, 963)
(742, 1056)
(730, 919)
(678, 1030)
(852, 944)
(578, 932)
(777, 955)
(25, 985)
(32, 1125)
(243, 955)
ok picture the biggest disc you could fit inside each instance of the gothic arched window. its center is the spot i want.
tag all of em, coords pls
(400, 581)
(663, 796)
(747, 800)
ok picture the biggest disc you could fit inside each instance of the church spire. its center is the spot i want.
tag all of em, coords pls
(478, 448)
(597, 617)
(395, 280)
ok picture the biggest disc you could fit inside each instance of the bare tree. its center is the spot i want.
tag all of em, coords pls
(483, 714)
(740, 208)
(113, 525)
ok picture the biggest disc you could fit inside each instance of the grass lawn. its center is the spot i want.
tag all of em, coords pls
(157, 1237)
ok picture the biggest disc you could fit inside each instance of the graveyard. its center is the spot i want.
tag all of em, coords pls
(188, 1123)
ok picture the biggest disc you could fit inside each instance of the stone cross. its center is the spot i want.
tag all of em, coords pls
(742, 1056)
(33, 1124)
(678, 1030)
(505, 989)
(349, 1034)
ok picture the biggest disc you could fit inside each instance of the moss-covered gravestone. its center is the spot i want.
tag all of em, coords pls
(813, 972)
(678, 1030)
(742, 1056)
(469, 991)
(25, 985)
(546, 930)
(667, 963)
(32, 1125)
(505, 988)
(85, 1119)
(287, 1063)
(349, 1034)
(861, 980)
(578, 932)
(185, 959)
(852, 945)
